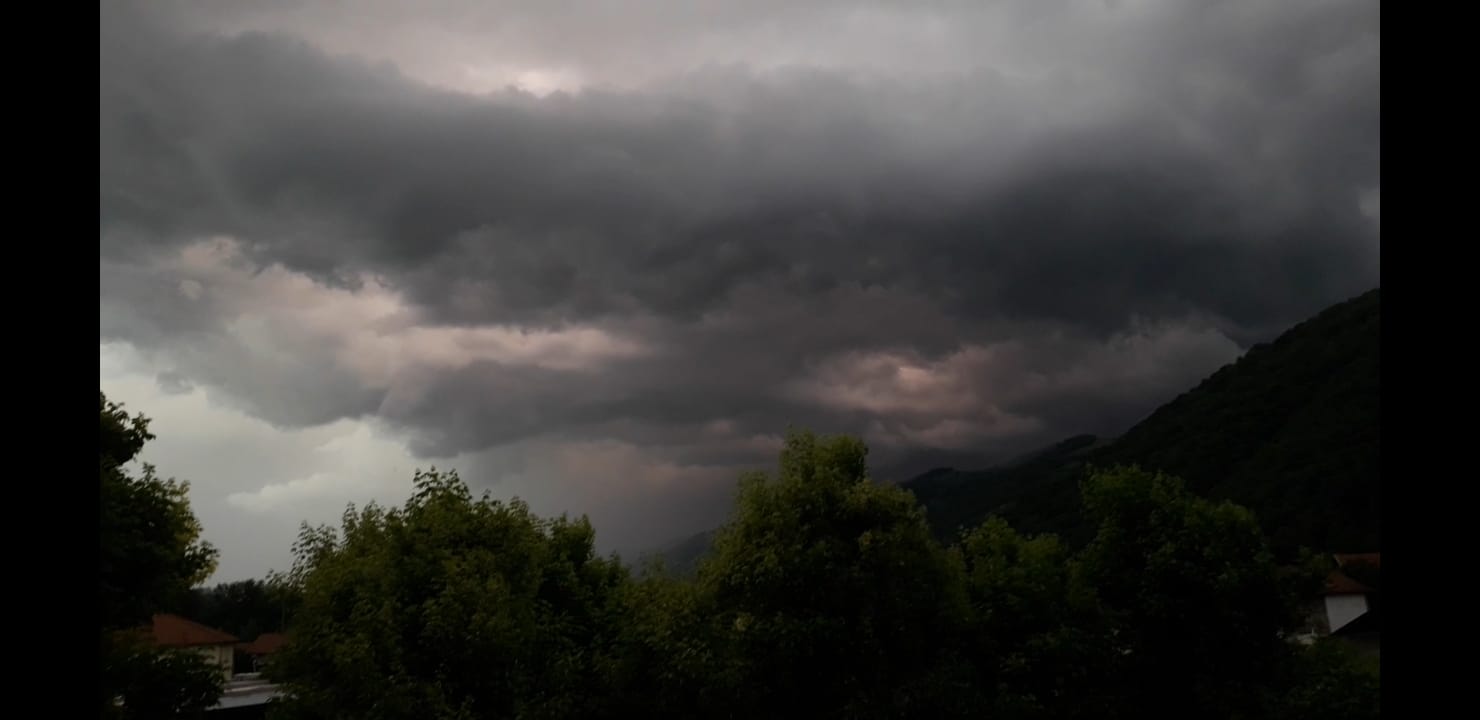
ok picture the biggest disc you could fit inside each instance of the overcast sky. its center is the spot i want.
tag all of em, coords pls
(599, 255)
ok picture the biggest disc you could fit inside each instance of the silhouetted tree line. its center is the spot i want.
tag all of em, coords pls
(245, 608)
(149, 556)
(825, 596)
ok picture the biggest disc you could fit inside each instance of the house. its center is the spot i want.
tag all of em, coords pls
(173, 631)
(1345, 600)
(1351, 589)
(243, 696)
(1350, 607)
(262, 649)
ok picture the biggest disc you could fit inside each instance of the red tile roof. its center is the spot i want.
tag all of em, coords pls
(1337, 583)
(265, 644)
(175, 631)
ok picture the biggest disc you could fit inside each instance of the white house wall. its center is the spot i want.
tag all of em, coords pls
(1342, 609)
(221, 656)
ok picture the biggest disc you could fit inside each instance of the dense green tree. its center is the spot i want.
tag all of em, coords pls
(830, 597)
(154, 683)
(1328, 681)
(245, 608)
(1197, 610)
(668, 661)
(150, 555)
(1034, 636)
(450, 607)
(825, 595)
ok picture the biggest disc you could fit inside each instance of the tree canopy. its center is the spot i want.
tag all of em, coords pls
(151, 551)
(450, 607)
(826, 596)
(245, 608)
(151, 555)
(829, 593)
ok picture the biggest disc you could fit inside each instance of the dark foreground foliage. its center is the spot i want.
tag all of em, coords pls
(150, 554)
(825, 596)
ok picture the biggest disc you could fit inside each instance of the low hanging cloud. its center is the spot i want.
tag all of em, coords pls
(1004, 391)
(658, 242)
(283, 326)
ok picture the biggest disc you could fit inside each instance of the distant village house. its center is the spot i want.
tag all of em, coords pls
(1350, 608)
(175, 632)
(263, 648)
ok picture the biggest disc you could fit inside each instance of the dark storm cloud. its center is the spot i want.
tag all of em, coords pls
(999, 256)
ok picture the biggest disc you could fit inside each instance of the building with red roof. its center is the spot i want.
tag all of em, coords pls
(173, 631)
(1349, 607)
(263, 648)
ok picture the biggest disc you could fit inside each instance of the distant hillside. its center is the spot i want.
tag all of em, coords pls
(682, 558)
(1039, 493)
(1289, 430)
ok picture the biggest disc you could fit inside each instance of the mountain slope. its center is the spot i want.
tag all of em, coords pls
(1289, 430)
(1040, 494)
(682, 558)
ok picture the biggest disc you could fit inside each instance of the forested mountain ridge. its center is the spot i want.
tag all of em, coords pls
(1289, 430)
